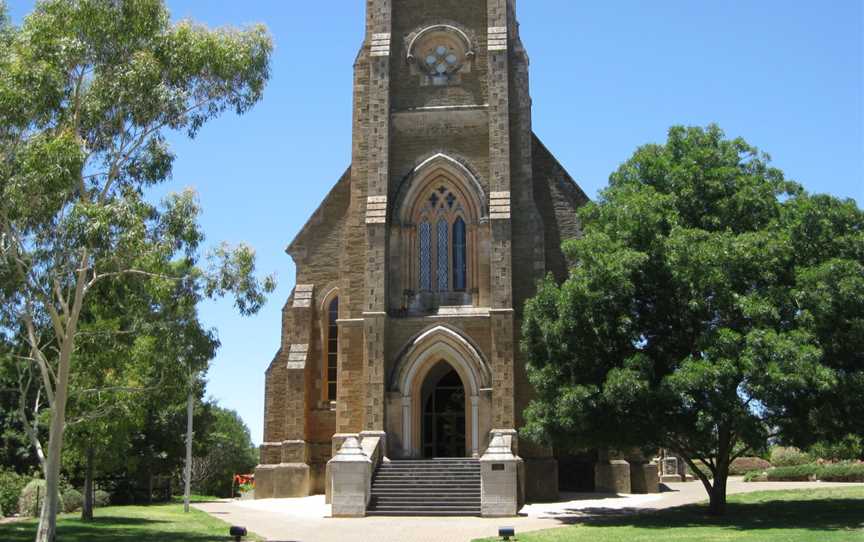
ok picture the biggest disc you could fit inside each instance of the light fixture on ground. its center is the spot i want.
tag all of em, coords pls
(506, 533)
(237, 532)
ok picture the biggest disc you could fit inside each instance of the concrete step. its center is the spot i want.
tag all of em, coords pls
(425, 487)
(475, 466)
(430, 471)
(424, 513)
(429, 465)
(427, 468)
(436, 476)
(421, 509)
(423, 501)
(431, 497)
(427, 481)
(439, 487)
(426, 491)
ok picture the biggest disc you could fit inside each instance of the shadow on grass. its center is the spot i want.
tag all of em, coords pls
(120, 529)
(812, 515)
(195, 499)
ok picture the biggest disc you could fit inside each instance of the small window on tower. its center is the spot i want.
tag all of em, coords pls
(440, 54)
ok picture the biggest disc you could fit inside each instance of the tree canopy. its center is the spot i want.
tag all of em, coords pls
(88, 91)
(711, 303)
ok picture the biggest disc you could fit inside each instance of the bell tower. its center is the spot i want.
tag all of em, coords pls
(412, 275)
(444, 78)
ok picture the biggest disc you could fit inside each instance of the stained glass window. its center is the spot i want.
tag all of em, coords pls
(332, 349)
(442, 61)
(443, 255)
(425, 256)
(459, 255)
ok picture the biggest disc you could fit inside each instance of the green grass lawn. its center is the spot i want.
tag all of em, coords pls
(157, 523)
(817, 515)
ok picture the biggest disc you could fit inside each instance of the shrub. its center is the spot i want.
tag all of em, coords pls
(797, 473)
(101, 498)
(11, 484)
(789, 457)
(72, 500)
(841, 472)
(849, 448)
(743, 465)
(756, 476)
(32, 497)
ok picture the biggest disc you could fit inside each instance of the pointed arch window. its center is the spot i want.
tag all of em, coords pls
(425, 256)
(331, 370)
(460, 255)
(442, 242)
(443, 270)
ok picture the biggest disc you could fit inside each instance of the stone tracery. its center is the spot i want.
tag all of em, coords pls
(440, 53)
(441, 216)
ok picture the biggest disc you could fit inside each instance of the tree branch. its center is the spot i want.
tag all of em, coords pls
(48, 378)
(31, 430)
(101, 276)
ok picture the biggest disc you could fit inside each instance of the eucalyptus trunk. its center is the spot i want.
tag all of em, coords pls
(47, 529)
(48, 519)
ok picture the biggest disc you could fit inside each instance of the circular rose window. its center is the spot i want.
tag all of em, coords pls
(441, 60)
(440, 53)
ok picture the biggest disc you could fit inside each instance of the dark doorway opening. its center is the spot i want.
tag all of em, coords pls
(444, 418)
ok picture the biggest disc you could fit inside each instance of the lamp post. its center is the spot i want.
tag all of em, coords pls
(190, 406)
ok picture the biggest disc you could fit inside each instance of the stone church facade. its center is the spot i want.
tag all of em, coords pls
(402, 333)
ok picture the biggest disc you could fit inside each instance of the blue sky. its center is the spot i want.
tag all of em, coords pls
(787, 75)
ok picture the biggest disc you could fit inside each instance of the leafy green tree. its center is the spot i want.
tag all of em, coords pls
(138, 341)
(16, 451)
(89, 88)
(710, 305)
(227, 450)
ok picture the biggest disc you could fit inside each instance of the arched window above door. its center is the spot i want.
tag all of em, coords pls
(441, 211)
(442, 242)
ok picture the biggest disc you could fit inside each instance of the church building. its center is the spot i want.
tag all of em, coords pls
(400, 341)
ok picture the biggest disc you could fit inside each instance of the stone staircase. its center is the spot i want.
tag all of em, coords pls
(434, 487)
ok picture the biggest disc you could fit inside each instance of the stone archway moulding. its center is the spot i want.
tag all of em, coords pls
(436, 344)
(426, 172)
(466, 41)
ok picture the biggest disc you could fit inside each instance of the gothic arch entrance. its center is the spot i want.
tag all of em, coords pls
(442, 365)
(444, 420)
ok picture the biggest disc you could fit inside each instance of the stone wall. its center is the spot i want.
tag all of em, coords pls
(482, 120)
(411, 16)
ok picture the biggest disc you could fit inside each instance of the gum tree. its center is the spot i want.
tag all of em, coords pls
(88, 89)
(138, 341)
(710, 305)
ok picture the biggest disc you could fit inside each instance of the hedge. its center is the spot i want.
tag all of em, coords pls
(789, 457)
(756, 476)
(834, 472)
(841, 472)
(743, 465)
(798, 473)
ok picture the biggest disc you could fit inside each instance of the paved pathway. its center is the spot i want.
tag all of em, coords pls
(308, 519)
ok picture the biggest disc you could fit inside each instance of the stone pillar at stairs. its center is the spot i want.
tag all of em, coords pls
(351, 473)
